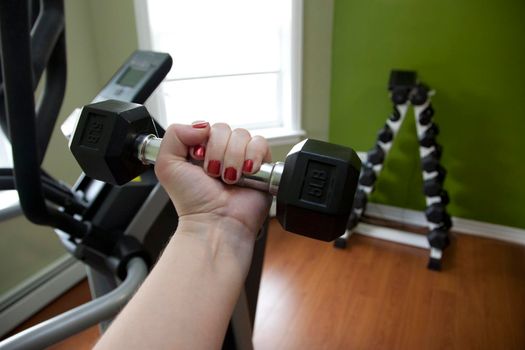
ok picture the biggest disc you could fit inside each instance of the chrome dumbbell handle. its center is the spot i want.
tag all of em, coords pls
(267, 179)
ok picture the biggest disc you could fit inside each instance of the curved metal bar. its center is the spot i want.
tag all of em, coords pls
(19, 99)
(63, 326)
(53, 95)
(18, 94)
(45, 34)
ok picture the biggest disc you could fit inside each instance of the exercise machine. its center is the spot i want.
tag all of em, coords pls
(119, 230)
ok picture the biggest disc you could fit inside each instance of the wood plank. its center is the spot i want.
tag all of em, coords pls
(379, 295)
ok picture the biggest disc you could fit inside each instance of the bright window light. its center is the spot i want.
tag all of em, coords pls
(236, 61)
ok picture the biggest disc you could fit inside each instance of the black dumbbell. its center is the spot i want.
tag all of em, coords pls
(386, 134)
(437, 214)
(352, 221)
(315, 186)
(375, 156)
(400, 95)
(439, 173)
(360, 200)
(432, 187)
(430, 162)
(419, 94)
(425, 117)
(368, 177)
(437, 151)
(395, 116)
(438, 238)
(436, 190)
(435, 181)
(428, 139)
(444, 198)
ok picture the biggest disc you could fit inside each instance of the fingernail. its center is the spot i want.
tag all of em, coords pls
(200, 124)
(230, 174)
(199, 151)
(247, 166)
(214, 167)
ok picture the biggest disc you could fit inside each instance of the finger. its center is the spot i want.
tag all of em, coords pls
(257, 152)
(176, 142)
(215, 148)
(198, 151)
(234, 155)
(178, 138)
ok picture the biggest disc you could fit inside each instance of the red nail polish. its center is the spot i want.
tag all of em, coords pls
(199, 151)
(230, 174)
(214, 167)
(199, 125)
(247, 166)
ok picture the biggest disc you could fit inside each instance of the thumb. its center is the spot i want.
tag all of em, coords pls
(176, 144)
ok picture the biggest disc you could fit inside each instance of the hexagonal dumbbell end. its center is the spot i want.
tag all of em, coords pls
(317, 188)
(104, 137)
(438, 238)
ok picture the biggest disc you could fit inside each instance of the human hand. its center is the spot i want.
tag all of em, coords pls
(199, 197)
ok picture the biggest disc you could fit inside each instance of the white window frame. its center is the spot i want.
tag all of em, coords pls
(291, 131)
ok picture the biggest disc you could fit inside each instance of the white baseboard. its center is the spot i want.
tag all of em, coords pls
(460, 225)
(38, 291)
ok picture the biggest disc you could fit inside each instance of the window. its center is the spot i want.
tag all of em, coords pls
(236, 61)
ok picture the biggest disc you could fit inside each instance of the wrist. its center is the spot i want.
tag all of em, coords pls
(221, 236)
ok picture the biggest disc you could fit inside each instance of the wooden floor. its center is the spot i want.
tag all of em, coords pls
(379, 295)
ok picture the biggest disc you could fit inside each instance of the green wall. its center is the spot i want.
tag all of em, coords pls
(473, 54)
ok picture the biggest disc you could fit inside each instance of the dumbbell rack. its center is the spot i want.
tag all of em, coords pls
(405, 91)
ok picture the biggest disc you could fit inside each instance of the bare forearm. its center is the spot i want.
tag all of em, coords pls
(187, 300)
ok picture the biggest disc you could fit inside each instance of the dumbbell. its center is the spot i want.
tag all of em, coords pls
(114, 142)
(360, 200)
(368, 177)
(438, 238)
(425, 116)
(428, 139)
(439, 177)
(375, 156)
(434, 186)
(385, 135)
(435, 189)
(443, 197)
(400, 95)
(430, 162)
(395, 116)
(419, 94)
(435, 153)
(437, 214)
(352, 221)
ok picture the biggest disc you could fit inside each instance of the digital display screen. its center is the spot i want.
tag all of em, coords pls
(131, 77)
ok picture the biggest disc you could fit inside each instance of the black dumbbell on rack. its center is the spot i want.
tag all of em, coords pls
(376, 156)
(436, 214)
(405, 89)
(434, 174)
(425, 117)
(115, 142)
(428, 139)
